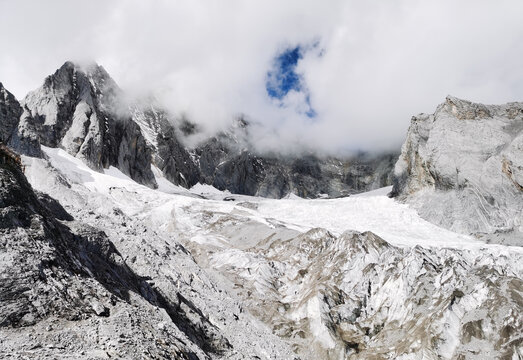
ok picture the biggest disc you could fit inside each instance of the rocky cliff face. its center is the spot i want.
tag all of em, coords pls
(10, 133)
(169, 154)
(230, 162)
(10, 112)
(79, 109)
(462, 168)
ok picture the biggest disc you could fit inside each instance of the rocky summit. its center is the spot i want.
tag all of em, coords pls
(118, 239)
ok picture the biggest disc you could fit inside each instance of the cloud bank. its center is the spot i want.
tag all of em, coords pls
(364, 67)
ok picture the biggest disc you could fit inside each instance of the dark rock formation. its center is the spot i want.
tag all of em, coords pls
(169, 154)
(10, 112)
(228, 161)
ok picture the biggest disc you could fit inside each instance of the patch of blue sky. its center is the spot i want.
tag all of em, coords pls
(283, 78)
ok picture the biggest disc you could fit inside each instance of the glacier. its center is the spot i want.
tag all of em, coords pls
(357, 277)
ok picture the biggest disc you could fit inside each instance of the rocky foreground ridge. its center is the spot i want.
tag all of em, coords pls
(67, 291)
(462, 168)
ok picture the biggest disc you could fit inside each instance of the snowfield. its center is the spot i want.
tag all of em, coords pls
(313, 270)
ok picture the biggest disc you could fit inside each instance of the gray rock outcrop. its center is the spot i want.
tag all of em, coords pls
(229, 161)
(462, 168)
(10, 112)
(169, 154)
(356, 296)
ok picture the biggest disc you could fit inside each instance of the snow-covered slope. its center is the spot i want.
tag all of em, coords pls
(408, 289)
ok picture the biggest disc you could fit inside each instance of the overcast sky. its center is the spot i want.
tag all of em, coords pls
(364, 67)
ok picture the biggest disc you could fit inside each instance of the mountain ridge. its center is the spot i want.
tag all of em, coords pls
(81, 109)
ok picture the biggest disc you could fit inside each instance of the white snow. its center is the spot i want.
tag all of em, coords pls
(204, 189)
(397, 223)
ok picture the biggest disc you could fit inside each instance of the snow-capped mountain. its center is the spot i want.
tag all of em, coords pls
(79, 109)
(119, 241)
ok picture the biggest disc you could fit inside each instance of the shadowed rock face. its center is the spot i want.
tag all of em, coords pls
(462, 168)
(169, 154)
(79, 110)
(307, 176)
(228, 161)
(10, 112)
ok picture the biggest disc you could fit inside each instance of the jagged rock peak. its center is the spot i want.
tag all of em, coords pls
(80, 109)
(89, 82)
(469, 110)
(6, 96)
(464, 109)
(87, 68)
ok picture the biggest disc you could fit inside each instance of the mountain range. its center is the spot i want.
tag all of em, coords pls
(118, 239)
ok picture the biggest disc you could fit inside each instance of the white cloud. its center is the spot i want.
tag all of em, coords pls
(383, 61)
